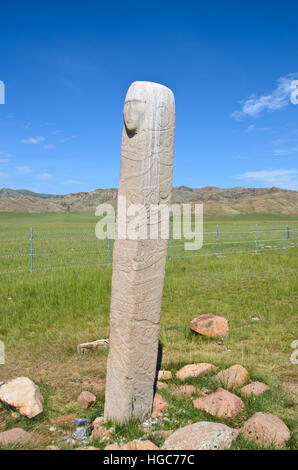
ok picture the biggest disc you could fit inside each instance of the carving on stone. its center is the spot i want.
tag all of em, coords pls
(139, 265)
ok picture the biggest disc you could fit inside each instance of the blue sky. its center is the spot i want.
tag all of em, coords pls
(67, 65)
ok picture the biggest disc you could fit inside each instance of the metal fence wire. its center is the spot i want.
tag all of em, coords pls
(36, 249)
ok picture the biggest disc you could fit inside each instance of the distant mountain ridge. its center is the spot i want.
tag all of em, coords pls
(217, 201)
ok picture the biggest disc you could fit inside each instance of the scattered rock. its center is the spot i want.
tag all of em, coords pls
(233, 377)
(82, 421)
(160, 385)
(14, 436)
(87, 448)
(194, 370)
(64, 419)
(99, 431)
(164, 375)
(254, 388)
(52, 448)
(210, 325)
(222, 404)
(98, 344)
(23, 394)
(113, 447)
(86, 400)
(266, 429)
(159, 406)
(79, 434)
(139, 445)
(201, 436)
(187, 390)
(255, 319)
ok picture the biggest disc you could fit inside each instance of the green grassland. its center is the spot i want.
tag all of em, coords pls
(44, 315)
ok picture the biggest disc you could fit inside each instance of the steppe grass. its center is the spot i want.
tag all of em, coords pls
(44, 315)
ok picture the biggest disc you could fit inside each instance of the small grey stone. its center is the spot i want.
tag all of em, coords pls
(89, 430)
(82, 421)
(79, 434)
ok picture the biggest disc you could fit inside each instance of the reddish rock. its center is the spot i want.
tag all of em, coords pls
(233, 377)
(164, 375)
(14, 436)
(113, 447)
(87, 448)
(160, 385)
(139, 445)
(194, 370)
(222, 404)
(86, 400)
(159, 406)
(99, 431)
(187, 390)
(210, 325)
(254, 388)
(201, 436)
(266, 430)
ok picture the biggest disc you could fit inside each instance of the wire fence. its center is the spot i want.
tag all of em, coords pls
(35, 249)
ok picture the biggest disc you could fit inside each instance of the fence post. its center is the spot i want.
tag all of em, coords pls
(217, 240)
(287, 235)
(109, 249)
(256, 239)
(31, 249)
(171, 236)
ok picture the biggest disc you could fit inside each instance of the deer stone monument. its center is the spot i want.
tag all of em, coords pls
(139, 262)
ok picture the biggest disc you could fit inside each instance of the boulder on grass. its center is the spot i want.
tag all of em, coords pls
(23, 394)
(266, 430)
(212, 326)
(221, 404)
(233, 377)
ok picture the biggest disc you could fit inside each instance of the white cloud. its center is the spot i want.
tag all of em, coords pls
(24, 170)
(49, 146)
(33, 140)
(67, 138)
(289, 151)
(250, 128)
(277, 99)
(45, 176)
(281, 178)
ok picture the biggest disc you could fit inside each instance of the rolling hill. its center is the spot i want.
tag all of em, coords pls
(217, 201)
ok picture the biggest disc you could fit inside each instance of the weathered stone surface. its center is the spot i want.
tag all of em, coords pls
(254, 388)
(86, 399)
(98, 344)
(233, 377)
(210, 325)
(159, 406)
(222, 404)
(201, 436)
(99, 431)
(14, 436)
(183, 390)
(266, 429)
(164, 375)
(194, 370)
(139, 264)
(139, 445)
(23, 394)
(87, 448)
(160, 385)
(52, 447)
(113, 447)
